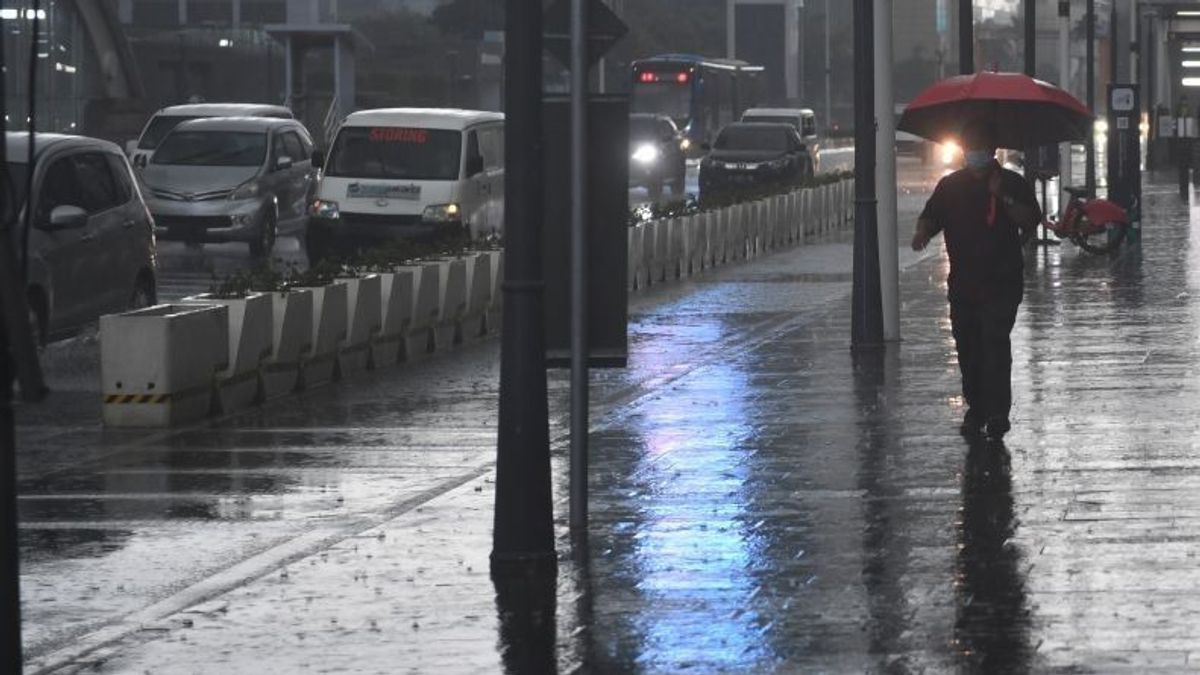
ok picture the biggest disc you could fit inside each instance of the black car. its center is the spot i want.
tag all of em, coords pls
(656, 154)
(753, 157)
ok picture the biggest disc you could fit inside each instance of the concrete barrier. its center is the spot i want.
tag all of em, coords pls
(250, 321)
(396, 313)
(329, 331)
(481, 289)
(158, 364)
(427, 284)
(291, 341)
(364, 322)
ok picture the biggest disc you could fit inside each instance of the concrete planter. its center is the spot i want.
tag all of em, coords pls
(698, 252)
(720, 235)
(364, 322)
(158, 364)
(250, 323)
(675, 249)
(427, 307)
(633, 255)
(481, 290)
(494, 310)
(291, 341)
(329, 327)
(452, 303)
(659, 257)
(396, 313)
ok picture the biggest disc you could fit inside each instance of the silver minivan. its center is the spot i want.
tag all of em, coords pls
(226, 179)
(91, 246)
(162, 122)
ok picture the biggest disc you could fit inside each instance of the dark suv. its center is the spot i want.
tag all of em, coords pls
(656, 154)
(753, 157)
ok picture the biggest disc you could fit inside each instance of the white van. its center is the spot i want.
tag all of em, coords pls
(162, 122)
(805, 121)
(409, 173)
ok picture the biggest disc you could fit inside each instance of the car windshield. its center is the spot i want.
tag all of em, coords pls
(752, 137)
(663, 98)
(158, 128)
(771, 119)
(395, 152)
(212, 148)
(643, 128)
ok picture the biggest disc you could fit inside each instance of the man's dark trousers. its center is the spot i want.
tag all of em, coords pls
(981, 333)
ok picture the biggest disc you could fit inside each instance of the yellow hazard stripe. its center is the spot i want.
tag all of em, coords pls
(126, 399)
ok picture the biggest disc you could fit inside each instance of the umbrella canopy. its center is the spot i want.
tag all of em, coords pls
(1022, 112)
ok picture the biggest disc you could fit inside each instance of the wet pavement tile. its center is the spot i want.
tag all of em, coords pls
(762, 500)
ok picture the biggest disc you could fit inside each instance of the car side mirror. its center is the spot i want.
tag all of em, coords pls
(318, 159)
(66, 218)
(283, 163)
(474, 165)
(130, 147)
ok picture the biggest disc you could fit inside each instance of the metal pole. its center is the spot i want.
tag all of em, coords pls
(1031, 38)
(1090, 88)
(802, 20)
(828, 74)
(523, 535)
(579, 269)
(866, 326)
(1064, 81)
(966, 37)
(885, 172)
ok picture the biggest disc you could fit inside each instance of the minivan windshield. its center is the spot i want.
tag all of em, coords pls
(752, 137)
(212, 148)
(395, 152)
(158, 128)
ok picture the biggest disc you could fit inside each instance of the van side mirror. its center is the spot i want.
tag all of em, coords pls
(474, 165)
(318, 159)
(66, 218)
(283, 163)
(130, 147)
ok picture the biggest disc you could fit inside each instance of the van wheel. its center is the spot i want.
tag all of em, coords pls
(144, 295)
(261, 247)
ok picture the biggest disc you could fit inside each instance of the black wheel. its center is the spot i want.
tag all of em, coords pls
(144, 294)
(1103, 239)
(261, 247)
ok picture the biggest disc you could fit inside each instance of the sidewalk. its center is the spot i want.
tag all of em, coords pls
(762, 501)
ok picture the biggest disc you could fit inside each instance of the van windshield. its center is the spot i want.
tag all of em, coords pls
(212, 148)
(395, 152)
(158, 128)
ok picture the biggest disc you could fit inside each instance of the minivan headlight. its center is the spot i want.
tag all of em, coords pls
(645, 154)
(323, 208)
(247, 190)
(442, 213)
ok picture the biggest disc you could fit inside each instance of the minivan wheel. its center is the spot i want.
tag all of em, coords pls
(261, 247)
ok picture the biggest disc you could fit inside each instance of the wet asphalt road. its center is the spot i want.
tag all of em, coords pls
(762, 501)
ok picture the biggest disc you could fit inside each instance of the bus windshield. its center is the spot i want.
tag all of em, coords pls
(665, 98)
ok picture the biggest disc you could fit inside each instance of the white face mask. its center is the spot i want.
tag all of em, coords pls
(978, 159)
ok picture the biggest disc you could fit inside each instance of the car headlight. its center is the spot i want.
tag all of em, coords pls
(325, 209)
(951, 153)
(248, 190)
(685, 145)
(442, 213)
(645, 154)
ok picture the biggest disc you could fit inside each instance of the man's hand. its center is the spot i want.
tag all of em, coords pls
(921, 237)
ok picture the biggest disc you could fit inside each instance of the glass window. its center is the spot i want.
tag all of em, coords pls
(809, 125)
(667, 98)
(395, 152)
(491, 144)
(753, 137)
(60, 187)
(292, 147)
(158, 129)
(121, 178)
(99, 190)
(212, 148)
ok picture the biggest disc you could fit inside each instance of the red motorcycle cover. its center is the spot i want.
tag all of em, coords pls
(1100, 211)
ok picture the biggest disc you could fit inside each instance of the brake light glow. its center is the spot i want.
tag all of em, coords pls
(647, 76)
(681, 78)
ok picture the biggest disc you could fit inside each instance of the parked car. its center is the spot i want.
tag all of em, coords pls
(409, 173)
(657, 154)
(753, 156)
(225, 179)
(162, 122)
(91, 246)
(805, 122)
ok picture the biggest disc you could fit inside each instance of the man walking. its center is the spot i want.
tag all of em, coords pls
(987, 214)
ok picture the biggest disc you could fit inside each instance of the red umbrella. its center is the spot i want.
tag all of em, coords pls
(1021, 111)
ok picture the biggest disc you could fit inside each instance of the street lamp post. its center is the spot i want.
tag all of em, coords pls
(523, 536)
(1090, 88)
(866, 327)
(966, 37)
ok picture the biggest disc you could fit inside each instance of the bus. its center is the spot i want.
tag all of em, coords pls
(701, 94)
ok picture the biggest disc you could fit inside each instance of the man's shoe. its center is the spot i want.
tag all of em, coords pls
(997, 427)
(972, 424)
